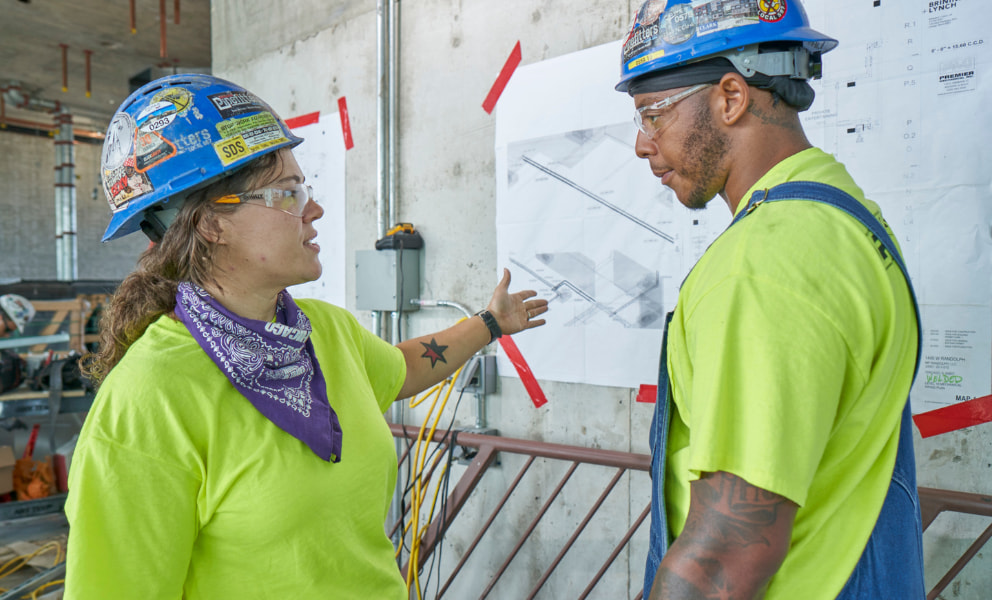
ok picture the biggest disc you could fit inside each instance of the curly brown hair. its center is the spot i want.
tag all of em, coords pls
(184, 254)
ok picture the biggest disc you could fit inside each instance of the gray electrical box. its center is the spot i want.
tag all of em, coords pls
(387, 280)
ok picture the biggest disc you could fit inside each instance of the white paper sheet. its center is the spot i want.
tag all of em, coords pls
(322, 159)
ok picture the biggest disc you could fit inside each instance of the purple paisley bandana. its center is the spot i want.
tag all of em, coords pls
(272, 364)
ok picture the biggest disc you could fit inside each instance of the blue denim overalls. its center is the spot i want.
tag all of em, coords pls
(891, 565)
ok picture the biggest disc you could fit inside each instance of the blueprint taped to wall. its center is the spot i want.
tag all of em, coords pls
(583, 221)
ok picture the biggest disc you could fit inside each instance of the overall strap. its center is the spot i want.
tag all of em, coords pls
(828, 194)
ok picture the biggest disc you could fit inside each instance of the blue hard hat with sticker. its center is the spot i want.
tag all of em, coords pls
(177, 134)
(672, 33)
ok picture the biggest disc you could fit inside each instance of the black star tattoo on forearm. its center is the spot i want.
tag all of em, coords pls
(434, 352)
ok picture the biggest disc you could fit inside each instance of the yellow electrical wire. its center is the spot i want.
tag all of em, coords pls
(418, 486)
(34, 594)
(17, 562)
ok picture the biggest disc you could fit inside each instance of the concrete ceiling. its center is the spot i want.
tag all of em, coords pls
(31, 32)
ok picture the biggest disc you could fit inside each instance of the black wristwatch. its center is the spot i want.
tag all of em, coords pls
(494, 331)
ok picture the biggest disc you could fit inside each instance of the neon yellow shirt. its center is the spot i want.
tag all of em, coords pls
(179, 488)
(791, 355)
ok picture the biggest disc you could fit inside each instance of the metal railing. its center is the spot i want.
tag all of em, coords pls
(486, 451)
(933, 502)
(487, 447)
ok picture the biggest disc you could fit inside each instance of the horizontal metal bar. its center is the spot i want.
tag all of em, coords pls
(19, 342)
(32, 508)
(593, 456)
(934, 501)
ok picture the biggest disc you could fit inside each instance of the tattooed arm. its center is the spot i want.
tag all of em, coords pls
(432, 357)
(735, 538)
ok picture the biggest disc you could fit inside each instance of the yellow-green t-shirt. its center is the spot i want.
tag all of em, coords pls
(180, 488)
(791, 354)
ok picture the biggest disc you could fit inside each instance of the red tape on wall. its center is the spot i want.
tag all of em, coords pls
(303, 120)
(345, 123)
(523, 370)
(504, 76)
(647, 393)
(957, 416)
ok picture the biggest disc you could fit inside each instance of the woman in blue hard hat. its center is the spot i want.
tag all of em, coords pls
(236, 447)
(782, 460)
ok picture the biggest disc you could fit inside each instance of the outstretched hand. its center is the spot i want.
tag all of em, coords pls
(516, 312)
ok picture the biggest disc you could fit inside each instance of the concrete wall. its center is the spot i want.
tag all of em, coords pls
(27, 213)
(302, 56)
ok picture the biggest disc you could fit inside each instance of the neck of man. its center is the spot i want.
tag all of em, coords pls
(756, 150)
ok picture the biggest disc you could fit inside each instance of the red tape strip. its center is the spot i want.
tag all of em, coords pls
(957, 416)
(647, 393)
(345, 123)
(504, 76)
(523, 369)
(303, 120)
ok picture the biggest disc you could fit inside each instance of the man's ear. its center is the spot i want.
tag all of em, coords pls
(735, 96)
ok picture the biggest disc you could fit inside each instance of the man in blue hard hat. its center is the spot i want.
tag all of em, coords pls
(782, 459)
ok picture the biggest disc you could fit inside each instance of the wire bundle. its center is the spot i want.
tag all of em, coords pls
(18, 562)
(419, 479)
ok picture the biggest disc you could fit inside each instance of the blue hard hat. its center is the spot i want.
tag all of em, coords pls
(177, 134)
(672, 33)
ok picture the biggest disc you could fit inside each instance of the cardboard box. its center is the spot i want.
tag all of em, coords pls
(7, 461)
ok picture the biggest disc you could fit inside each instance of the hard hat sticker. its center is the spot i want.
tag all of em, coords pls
(156, 116)
(771, 11)
(119, 141)
(193, 141)
(678, 24)
(717, 15)
(177, 96)
(124, 183)
(150, 149)
(247, 136)
(232, 104)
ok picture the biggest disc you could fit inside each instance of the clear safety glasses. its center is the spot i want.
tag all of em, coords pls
(656, 117)
(293, 201)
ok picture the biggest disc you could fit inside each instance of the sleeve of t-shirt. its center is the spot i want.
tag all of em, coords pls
(383, 363)
(133, 522)
(385, 367)
(768, 369)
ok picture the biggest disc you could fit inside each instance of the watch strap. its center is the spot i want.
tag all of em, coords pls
(494, 331)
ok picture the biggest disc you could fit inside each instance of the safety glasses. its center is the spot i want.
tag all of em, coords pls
(293, 201)
(656, 117)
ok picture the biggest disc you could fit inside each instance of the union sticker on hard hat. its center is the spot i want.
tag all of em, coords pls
(771, 11)
(119, 143)
(157, 115)
(179, 97)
